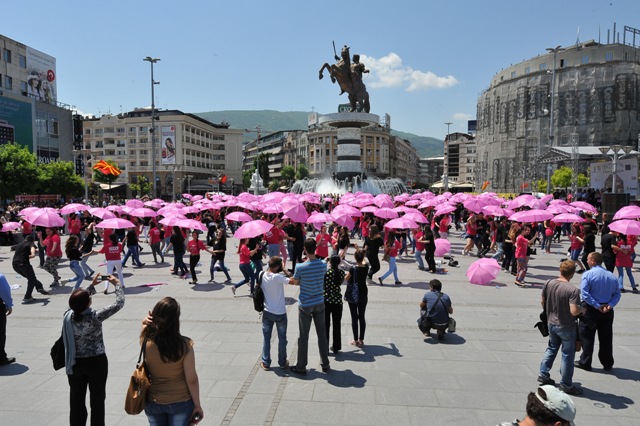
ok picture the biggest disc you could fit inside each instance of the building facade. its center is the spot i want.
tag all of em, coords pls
(460, 155)
(586, 95)
(192, 154)
(431, 170)
(30, 113)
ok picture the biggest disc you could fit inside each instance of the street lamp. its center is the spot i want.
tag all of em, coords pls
(617, 149)
(153, 118)
(555, 51)
(445, 176)
(189, 177)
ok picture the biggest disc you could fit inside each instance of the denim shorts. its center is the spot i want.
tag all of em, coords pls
(176, 414)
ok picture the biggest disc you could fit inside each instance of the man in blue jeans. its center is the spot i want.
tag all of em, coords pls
(561, 302)
(275, 312)
(310, 277)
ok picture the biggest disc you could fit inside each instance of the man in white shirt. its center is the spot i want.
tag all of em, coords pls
(275, 312)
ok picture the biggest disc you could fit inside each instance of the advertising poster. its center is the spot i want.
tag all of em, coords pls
(16, 124)
(41, 76)
(168, 145)
(626, 175)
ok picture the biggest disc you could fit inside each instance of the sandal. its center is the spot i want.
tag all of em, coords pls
(360, 343)
(353, 343)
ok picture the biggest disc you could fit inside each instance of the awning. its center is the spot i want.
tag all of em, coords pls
(106, 186)
(437, 185)
(463, 185)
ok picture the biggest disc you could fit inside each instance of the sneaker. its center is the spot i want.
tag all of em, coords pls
(54, 284)
(571, 390)
(264, 366)
(622, 290)
(398, 283)
(298, 370)
(28, 300)
(546, 380)
(326, 369)
(233, 290)
(211, 280)
(91, 274)
(227, 281)
(582, 366)
(380, 281)
(635, 290)
(286, 365)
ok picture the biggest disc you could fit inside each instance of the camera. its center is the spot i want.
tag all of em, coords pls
(104, 278)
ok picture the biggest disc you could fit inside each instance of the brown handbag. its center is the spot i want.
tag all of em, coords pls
(138, 385)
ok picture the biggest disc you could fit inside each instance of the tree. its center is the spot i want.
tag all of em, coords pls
(302, 173)
(59, 177)
(102, 178)
(561, 178)
(541, 185)
(583, 181)
(288, 174)
(141, 186)
(18, 170)
(246, 178)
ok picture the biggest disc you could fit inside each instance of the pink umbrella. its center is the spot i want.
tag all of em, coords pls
(350, 210)
(190, 224)
(297, 213)
(143, 212)
(560, 208)
(626, 227)
(273, 208)
(136, 204)
(239, 217)
(317, 217)
(197, 197)
(401, 223)
(28, 210)
(385, 213)
(483, 271)
(531, 216)
(627, 212)
(344, 220)
(444, 209)
(496, 211)
(73, 207)
(46, 218)
(171, 220)
(115, 208)
(187, 196)
(567, 218)
(253, 229)
(416, 217)
(115, 223)
(475, 204)
(101, 213)
(583, 205)
(9, 226)
(442, 247)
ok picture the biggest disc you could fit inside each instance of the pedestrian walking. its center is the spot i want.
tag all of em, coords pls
(218, 254)
(194, 247)
(333, 279)
(75, 257)
(372, 244)
(54, 253)
(25, 251)
(275, 312)
(391, 249)
(357, 275)
(6, 308)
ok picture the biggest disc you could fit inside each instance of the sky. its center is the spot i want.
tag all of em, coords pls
(429, 60)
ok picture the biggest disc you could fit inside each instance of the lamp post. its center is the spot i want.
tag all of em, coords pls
(232, 180)
(617, 149)
(555, 51)
(189, 177)
(152, 129)
(445, 176)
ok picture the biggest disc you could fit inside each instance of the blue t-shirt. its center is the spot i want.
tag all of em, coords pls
(440, 314)
(311, 276)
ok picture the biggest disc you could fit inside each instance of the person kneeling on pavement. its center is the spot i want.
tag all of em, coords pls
(435, 309)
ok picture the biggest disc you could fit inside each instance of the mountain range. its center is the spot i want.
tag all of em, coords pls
(272, 121)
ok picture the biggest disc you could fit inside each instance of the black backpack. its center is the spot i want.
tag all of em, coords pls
(258, 294)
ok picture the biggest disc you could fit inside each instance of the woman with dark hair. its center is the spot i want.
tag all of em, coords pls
(372, 244)
(177, 242)
(85, 357)
(359, 272)
(218, 254)
(589, 245)
(391, 248)
(522, 242)
(75, 256)
(87, 247)
(245, 265)
(174, 396)
(195, 246)
(343, 242)
(112, 250)
(333, 278)
(429, 249)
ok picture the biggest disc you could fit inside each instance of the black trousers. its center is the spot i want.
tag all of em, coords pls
(26, 270)
(357, 318)
(333, 311)
(193, 261)
(609, 263)
(3, 329)
(604, 327)
(91, 372)
(429, 257)
(374, 264)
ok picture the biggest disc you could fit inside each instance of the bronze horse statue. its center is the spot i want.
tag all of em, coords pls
(344, 72)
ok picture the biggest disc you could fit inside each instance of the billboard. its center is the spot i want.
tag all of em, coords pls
(168, 144)
(41, 76)
(626, 175)
(16, 124)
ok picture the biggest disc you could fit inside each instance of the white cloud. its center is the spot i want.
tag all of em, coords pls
(461, 116)
(389, 71)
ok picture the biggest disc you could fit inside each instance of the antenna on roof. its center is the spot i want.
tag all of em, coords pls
(578, 39)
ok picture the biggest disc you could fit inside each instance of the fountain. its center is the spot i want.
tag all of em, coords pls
(375, 185)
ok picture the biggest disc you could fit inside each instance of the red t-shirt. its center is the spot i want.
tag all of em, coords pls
(419, 246)
(575, 242)
(322, 245)
(26, 228)
(154, 236)
(194, 246)
(395, 248)
(74, 227)
(49, 242)
(273, 236)
(521, 246)
(623, 260)
(111, 252)
(245, 255)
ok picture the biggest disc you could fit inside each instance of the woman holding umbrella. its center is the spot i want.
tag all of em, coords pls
(391, 248)
(245, 265)
(218, 255)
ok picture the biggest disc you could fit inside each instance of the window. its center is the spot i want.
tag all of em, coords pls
(6, 55)
(23, 87)
(513, 74)
(132, 129)
(585, 59)
(561, 63)
(0, 80)
(120, 130)
(87, 131)
(543, 66)
(608, 56)
(23, 61)
(527, 70)
(8, 82)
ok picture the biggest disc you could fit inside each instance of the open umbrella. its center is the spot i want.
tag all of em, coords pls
(475, 204)
(343, 219)
(626, 227)
(27, 210)
(73, 207)
(442, 247)
(273, 208)
(136, 204)
(115, 223)
(190, 224)
(143, 212)
(102, 213)
(9, 226)
(416, 217)
(531, 216)
(171, 220)
(239, 217)
(385, 213)
(253, 229)
(317, 217)
(297, 213)
(401, 223)
(496, 211)
(583, 205)
(483, 271)
(568, 218)
(627, 212)
(46, 218)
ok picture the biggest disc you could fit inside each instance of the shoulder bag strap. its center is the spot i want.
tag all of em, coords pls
(434, 305)
(143, 348)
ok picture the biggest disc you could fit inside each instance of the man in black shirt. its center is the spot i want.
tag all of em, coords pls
(501, 232)
(25, 251)
(608, 255)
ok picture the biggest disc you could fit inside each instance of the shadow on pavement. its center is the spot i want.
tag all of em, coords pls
(14, 369)
(625, 374)
(615, 402)
(138, 289)
(368, 353)
(449, 339)
(208, 287)
(341, 379)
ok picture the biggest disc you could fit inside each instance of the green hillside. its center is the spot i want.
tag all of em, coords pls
(272, 121)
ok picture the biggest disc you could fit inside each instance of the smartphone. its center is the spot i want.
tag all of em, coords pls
(195, 418)
(104, 278)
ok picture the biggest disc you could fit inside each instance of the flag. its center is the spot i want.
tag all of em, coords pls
(223, 179)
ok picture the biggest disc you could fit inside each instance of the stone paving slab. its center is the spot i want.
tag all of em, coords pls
(479, 375)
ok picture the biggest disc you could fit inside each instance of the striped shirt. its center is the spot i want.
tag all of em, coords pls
(311, 276)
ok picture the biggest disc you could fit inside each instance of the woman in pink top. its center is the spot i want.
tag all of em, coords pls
(112, 250)
(392, 247)
(623, 250)
(322, 243)
(54, 253)
(576, 246)
(245, 265)
(521, 244)
(194, 246)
